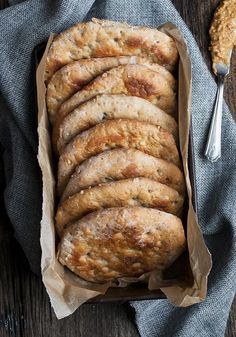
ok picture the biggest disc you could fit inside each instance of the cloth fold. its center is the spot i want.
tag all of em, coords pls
(26, 24)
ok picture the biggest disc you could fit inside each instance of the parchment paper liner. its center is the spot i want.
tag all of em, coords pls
(66, 290)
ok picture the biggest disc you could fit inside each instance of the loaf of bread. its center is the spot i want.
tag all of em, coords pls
(126, 192)
(72, 77)
(121, 242)
(104, 107)
(102, 38)
(112, 104)
(120, 164)
(114, 133)
(131, 79)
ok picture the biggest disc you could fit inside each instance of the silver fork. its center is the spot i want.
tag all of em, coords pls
(213, 147)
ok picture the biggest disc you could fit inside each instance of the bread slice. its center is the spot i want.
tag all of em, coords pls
(120, 164)
(72, 77)
(131, 79)
(111, 134)
(121, 242)
(104, 107)
(102, 38)
(127, 192)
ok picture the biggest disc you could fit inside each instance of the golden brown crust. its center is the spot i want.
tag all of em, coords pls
(101, 38)
(122, 164)
(127, 192)
(121, 242)
(104, 107)
(72, 77)
(124, 133)
(132, 80)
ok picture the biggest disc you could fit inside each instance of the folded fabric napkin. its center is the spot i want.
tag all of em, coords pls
(23, 26)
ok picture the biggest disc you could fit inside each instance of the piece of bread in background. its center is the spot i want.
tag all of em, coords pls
(111, 134)
(72, 77)
(121, 242)
(105, 107)
(132, 80)
(126, 192)
(102, 38)
(120, 164)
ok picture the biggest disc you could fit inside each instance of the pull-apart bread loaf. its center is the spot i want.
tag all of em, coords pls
(120, 164)
(126, 192)
(104, 107)
(121, 242)
(72, 77)
(112, 102)
(102, 38)
(114, 133)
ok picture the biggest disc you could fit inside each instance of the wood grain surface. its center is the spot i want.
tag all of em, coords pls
(24, 305)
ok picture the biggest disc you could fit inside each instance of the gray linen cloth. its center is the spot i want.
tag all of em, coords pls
(26, 24)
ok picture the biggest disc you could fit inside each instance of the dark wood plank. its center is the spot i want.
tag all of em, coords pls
(24, 305)
(3, 4)
(25, 309)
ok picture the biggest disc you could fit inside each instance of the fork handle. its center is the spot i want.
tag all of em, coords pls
(213, 147)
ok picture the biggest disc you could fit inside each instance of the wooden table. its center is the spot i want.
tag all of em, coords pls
(24, 305)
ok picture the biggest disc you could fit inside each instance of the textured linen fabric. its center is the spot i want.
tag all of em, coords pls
(26, 24)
